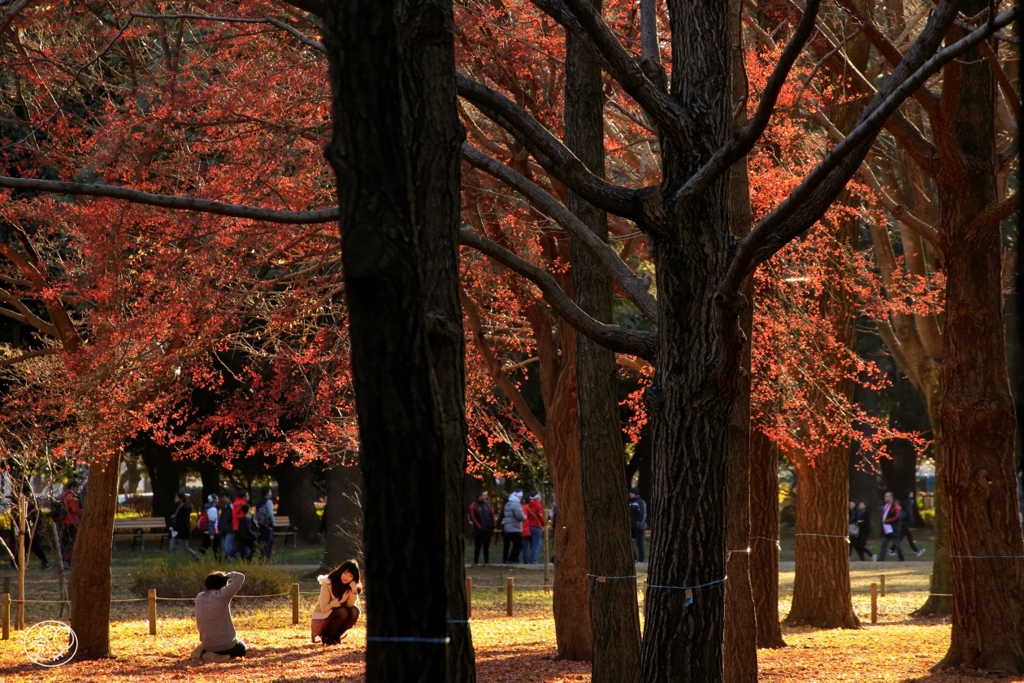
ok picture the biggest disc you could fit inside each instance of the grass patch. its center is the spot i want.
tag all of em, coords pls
(184, 578)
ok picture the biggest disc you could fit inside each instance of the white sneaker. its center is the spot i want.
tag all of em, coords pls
(215, 657)
(874, 558)
(920, 552)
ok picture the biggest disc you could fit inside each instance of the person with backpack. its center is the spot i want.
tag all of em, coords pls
(637, 521)
(70, 513)
(482, 517)
(181, 526)
(512, 527)
(208, 525)
(265, 521)
(245, 536)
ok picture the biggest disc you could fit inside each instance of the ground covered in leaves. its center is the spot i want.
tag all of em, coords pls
(518, 649)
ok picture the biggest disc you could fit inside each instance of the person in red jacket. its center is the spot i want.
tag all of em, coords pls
(535, 517)
(890, 527)
(70, 521)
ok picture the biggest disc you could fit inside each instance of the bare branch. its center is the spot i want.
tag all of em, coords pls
(633, 286)
(25, 315)
(172, 202)
(643, 344)
(675, 121)
(26, 356)
(551, 153)
(304, 39)
(744, 140)
(809, 201)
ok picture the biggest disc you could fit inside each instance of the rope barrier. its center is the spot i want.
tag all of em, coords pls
(988, 557)
(602, 579)
(825, 536)
(407, 639)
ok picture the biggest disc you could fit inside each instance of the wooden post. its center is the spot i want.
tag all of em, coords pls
(874, 603)
(295, 604)
(5, 614)
(152, 611)
(881, 587)
(509, 594)
(469, 597)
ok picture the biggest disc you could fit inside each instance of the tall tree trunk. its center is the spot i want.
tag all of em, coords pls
(343, 516)
(210, 474)
(296, 499)
(740, 617)
(940, 600)
(435, 140)
(764, 539)
(402, 452)
(90, 572)
(571, 599)
(977, 408)
(616, 626)
(165, 476)
(697, 370)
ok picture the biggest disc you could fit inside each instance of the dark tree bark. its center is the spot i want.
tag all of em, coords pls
(764, 539)
(434, 152)
(977, 408)
(210, 474)
(740, 617)
(165, 476)
(343, 516)
(698, 364)
(90, 573)
(402, 452)
(296, 498)
(862, 470)
(615, 627)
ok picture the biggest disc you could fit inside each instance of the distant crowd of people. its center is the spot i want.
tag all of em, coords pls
(523, 523)
(229, 528)
(896, 526)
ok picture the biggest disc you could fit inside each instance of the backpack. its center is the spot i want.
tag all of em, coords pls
(246, 530)
(262, 516)
(201, 522)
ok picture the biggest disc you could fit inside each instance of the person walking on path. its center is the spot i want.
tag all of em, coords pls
(209, 525)
(218, 640)
(906, 520)
(890, 527)
(512, 528)
(535, 520)
(245, 536)
(181, 526)
(637, 521)
(336, 610)
(482, 517)
(860, 521)
(69, 522)
(225, 522)
(527, 539)
(265, 521)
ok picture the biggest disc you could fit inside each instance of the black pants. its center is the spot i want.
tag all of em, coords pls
(638, 536)
(905, 533)
(859, 543)
(208, 542)
(895, 540)
(67, 541)
(246, 547)
(482, 539)
(513, 540)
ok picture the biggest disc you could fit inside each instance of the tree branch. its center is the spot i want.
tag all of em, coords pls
(643, 344)
(26, 356)
(25, 315)
(303, 38)
(14, 11)
(675, 121)
(172, 202)
(994, 214)
(552, 154)
(633, 286)
(809, 201)
(745, 138)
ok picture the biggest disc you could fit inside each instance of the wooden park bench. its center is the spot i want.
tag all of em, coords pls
(283, 527)
(141, 528)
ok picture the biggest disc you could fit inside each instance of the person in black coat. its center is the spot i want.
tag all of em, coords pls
(181, 526)
(482, 517)
(861, 516)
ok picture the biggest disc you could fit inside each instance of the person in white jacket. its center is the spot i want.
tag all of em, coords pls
(512, 527)
(336, 610)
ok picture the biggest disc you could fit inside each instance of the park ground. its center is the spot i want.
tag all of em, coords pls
(517, 649)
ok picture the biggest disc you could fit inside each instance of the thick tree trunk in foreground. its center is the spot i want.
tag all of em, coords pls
(402, 451)
(343, 516)
(616, 625)
(698, 364)
(977, 408)
(435, 139)
(764, 539)
(740, 617)
(296, 499)
(90, 570)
